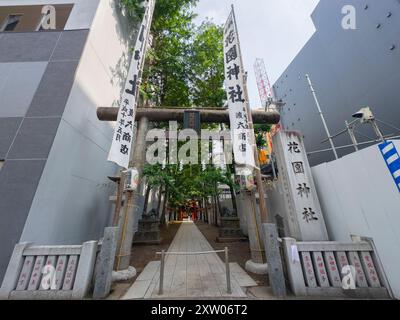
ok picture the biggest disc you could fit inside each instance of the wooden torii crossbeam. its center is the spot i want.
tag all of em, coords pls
(207, 115)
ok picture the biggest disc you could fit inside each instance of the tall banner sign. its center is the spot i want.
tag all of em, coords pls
(234, 81)
(122, 141)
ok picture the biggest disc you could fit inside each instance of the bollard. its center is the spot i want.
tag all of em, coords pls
(160, 291)
(228, 272)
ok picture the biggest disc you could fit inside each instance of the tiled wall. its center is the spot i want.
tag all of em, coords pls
(349, 69)
(36, 75)
(71, 204)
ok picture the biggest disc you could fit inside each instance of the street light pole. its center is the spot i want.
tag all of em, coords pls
(322, 116)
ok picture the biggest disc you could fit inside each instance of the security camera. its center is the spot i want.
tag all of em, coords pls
(364, 114)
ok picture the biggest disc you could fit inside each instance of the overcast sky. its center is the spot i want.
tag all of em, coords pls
(274, 30)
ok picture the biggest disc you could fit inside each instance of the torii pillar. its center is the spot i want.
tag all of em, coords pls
(128, 217)
(144, 115)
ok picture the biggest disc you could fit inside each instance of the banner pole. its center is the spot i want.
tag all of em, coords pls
(260, 187)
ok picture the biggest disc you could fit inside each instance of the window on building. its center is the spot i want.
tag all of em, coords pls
(11, 22)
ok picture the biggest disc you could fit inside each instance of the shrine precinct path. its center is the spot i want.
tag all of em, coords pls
(190, 276)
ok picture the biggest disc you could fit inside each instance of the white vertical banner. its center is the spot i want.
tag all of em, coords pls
(123, 135)
(234, 82)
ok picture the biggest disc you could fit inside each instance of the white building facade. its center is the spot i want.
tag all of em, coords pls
(53, 150)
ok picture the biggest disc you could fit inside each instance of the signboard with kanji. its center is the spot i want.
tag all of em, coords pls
(25, 273)
(234, 82)
(123, 134)
(332, 268)
(308, 270)
(301, 210)
(34, 281)
(191, 120)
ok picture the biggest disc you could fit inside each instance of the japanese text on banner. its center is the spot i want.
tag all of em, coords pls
(123, 135)
(234, 81)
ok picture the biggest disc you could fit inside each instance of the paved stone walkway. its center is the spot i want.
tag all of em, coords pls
(190, 276)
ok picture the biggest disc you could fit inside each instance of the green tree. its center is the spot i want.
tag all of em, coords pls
(135, 9)
(207, 66)
(184, 68)
(185, 64)
(166, 74)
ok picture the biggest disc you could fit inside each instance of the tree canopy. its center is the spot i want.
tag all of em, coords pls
(184, 68)
(189, 182)
(185, 64)
(207, 66)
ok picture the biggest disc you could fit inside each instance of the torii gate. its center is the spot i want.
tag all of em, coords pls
(144, 116)
(207, 115)
(130, 98)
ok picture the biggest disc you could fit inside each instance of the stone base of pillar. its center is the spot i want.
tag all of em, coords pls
(124, 275)
(257, 268)
(230, 231)
(148, 232)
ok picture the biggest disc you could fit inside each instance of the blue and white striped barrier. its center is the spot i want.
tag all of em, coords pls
(392, 159)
